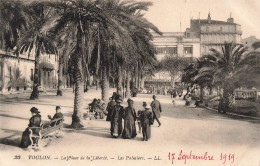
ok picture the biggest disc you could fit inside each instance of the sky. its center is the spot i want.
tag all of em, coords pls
(167, 14)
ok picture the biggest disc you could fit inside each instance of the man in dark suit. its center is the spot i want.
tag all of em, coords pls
(156, 108)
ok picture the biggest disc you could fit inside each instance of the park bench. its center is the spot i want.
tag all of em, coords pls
(46, 129)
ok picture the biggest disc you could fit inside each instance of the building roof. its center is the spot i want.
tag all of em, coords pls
(214, 22)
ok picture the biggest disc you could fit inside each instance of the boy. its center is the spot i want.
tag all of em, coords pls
(146, 122)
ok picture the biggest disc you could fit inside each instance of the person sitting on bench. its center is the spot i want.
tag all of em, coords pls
(57, 115)
(35, 121)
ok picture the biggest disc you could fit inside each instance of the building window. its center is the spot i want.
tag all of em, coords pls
(161, 50)
(207, 29)
(31, 75)
(221, 29)
(188, 50)
(171, 50)
(166, 50)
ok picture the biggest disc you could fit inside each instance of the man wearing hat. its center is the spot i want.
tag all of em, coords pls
(156, 108)
(110, 106)
(35, 121)
(116, 118)
(57, 115)
(146, 121)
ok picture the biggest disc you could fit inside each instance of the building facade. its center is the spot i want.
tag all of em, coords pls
(172, 44)
(17, 73)
(213, 33)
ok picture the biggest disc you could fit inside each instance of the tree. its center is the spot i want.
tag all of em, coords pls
(174, 66)
(36, 36)
(230, 68)
(12, 20)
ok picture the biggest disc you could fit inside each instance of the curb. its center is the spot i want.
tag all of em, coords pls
(233, 114)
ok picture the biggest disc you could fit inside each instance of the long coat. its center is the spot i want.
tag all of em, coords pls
(110, 106)
(156, 108)
(129, 123)
(116, 120)
(35, 121)
(146, 122)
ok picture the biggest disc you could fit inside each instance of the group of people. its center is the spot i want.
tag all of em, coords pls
(97, 106)
(35, 124)
(116, 113)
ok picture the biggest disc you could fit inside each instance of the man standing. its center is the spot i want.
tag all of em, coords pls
(156, 108)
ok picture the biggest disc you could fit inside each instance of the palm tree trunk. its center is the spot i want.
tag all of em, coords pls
(128, 84)
(35, 92)
(79, 96)
(59, 91)
(105, 85)
(228, 99)
(201, 94)
(119, 81)
(79, 84)
(136, 76)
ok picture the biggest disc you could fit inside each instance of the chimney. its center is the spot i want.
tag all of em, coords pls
(230, 19)
(209, 18)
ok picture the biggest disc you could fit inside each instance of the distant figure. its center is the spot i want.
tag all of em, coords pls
(146, 122)
(156, 108)
(138, 118)
(93, 105)
(57, 115)
(188, 100)
(35, 121)
(99, 109)
(116, 118)
(129, 120)
(109, 108)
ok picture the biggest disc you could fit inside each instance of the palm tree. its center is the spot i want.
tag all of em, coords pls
(36, 36)
(12, 20)
(227, 68)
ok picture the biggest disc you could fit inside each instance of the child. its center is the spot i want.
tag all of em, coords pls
(139, 120)
(146, 122)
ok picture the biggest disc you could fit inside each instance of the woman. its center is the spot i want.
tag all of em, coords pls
(129, 121)
(35, 121)
(116, 118)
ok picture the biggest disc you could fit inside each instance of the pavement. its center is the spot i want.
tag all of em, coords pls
(191, 136)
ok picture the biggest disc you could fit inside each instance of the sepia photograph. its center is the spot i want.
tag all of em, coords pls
(129, 82)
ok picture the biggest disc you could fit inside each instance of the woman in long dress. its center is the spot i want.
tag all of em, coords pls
(35, 121)
(129, 121)
(116, 118)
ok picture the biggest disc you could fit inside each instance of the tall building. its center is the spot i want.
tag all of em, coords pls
(214, 33)
(171, 44)
(176, 44)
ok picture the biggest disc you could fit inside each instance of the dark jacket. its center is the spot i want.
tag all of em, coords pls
(156, 108)
(117, 112)
(35, 121)
(110, 106)
(57, 116)
(146, 117)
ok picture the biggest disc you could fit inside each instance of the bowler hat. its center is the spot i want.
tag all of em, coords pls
(34, 110)
(144, 104)
(154, 96)
(57, 107)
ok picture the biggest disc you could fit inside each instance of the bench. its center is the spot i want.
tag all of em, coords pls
(46, 128)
